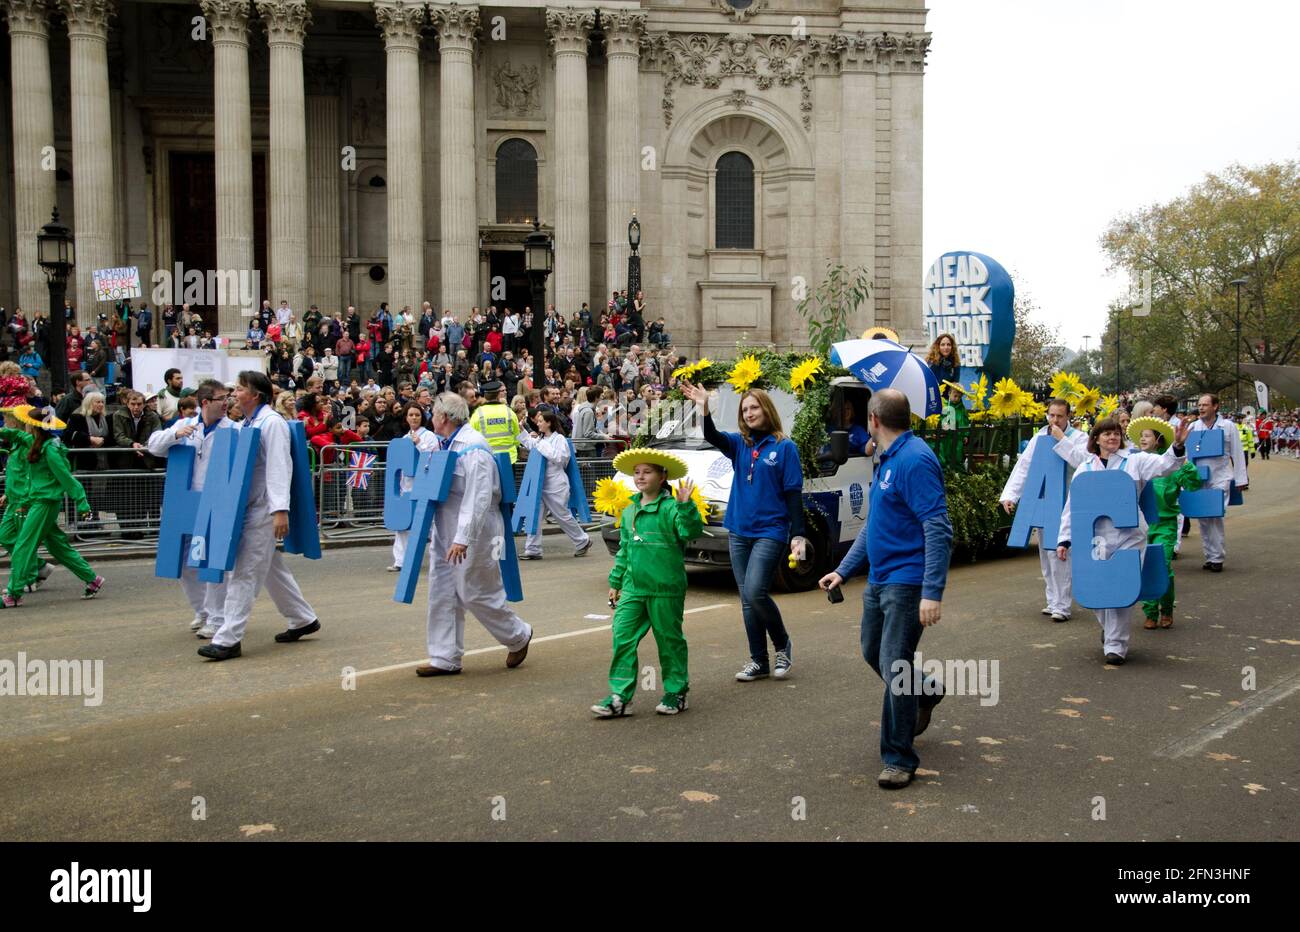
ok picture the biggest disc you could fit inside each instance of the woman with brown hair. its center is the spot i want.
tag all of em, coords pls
(764, 518)
(944, 360)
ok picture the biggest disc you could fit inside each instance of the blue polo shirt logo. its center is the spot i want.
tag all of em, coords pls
(884, 482)
(771, 458)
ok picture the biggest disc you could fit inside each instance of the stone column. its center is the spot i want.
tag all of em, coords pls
(324, 172)
(623, 32)
(858, 158)
(568, 29)
(400, 23)
(233, 143)
(457, 28)
(92, 147)
(33, 130)
(286, 24)
(907, 74)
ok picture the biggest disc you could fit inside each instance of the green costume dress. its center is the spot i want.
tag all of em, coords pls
(1165, 531)
(50, 478)
(954, 418)
(16, 443)
(650, 574)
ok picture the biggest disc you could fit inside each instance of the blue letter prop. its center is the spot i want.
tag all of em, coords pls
(509, 558)
(528, 505)
(1043, 499)
(182, 504)
(432, 482)
(219, 522)
(1203, 503)
(1124, 578)
(399, 508)
(304, 533)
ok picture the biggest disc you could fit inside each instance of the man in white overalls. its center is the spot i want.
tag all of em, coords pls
(1224, 471)
(1056, 573)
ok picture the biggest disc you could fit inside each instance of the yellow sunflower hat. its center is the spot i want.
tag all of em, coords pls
(872, 333)
(628, 460)
(49, 422)
(954, 386)
(1139, 424)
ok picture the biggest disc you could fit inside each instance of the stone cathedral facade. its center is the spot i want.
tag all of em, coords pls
(359, 151)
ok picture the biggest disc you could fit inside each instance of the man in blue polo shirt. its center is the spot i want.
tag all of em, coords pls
(906, 543)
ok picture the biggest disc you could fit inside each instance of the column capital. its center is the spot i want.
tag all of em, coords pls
(457, 25)
(883, 51)
(29, 17)
(623, 31)
(286, 21)
(568, 28)
(88, 17)
(400, 21)
(228, 19)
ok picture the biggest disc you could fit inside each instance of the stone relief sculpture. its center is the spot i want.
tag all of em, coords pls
(517, 91)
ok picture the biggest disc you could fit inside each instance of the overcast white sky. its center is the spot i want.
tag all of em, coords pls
(1044, 120)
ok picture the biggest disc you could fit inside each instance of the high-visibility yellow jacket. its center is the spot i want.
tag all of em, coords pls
(499, 426)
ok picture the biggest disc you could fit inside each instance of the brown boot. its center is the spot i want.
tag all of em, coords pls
(1150, 624)
(1166, 621)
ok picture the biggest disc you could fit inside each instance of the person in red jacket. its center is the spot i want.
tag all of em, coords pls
(1265, 429)
(75, 351)
(493, 340)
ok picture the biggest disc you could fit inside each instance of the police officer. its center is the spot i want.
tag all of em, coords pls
(497, 422)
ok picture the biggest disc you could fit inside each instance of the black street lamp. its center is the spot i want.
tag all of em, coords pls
(1236, 353)
(633, 261)
(538, 256)
(56, 254)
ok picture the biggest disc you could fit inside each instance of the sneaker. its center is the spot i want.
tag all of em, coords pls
(93, 587)
(750, 672)
(198, 622)
(1045, 611)
(394, 567)
(582, 551)
(894, 778)
(207, 631)
(1114, 660)
(1060, 616)
(10, 601)
(611, 707)
(672, 703)
(45, 572)
(531, 556)
(782, 667)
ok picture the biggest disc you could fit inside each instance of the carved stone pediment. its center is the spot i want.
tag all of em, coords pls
(741, 10)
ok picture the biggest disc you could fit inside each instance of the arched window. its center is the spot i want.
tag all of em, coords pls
(516, 182)
(734, 207)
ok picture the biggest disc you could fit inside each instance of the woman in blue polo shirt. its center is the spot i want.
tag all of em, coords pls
(764, 518)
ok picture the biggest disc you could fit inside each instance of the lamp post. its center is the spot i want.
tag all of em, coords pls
(538, 256)
(56, 254)
(1236, 352)
(634, 260)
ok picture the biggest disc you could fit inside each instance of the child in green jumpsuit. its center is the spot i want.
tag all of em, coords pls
(648, 582)
(15, 442)
(1152, 439)
(50, 478)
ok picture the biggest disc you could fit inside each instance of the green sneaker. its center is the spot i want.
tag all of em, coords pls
(672, 703)
(610, 707)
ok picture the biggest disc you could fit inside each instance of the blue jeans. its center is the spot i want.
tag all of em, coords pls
(891, 629)
(753, 562)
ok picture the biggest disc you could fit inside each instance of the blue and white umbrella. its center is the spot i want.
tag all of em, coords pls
(885, 364)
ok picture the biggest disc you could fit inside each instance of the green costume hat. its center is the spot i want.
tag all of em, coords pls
(628, 460)
(1162, 428)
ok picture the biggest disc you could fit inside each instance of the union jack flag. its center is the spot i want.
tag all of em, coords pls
(360, 465)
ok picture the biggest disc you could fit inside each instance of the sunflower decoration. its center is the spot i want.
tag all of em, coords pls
(1065, 384)
(1107, 405)
(1085, 402)
(744, 373)
(689, 372)
(802, 375)
(611, 497)
(933, 420)
(698, 500)
(979, 391)
(1005, 400)
(1028, 407)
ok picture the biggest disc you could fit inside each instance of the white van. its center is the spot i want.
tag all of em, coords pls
(835, 500)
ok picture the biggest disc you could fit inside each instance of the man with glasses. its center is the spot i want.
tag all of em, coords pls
(199, 432)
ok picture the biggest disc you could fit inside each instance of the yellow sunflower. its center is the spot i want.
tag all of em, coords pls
(688, 372)
(699, 502)
(803, 373)
(1065, 384)
(979, 391)
(611, 497)
(1027, 404)
(933, 420)
(1107, 405)
(1086, 401)
(1005, 400)
(744, 373)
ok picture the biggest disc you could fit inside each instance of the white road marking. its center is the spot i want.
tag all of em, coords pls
(1231, 720)
(549, 637)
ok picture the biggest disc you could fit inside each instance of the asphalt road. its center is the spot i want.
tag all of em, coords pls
(272, 746)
